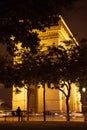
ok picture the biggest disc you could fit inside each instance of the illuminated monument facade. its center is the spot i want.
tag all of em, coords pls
(55, 100)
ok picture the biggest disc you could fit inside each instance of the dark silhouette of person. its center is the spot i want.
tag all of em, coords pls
(18, 111)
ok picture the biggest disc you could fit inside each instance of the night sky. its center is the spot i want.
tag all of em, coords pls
(76, 19)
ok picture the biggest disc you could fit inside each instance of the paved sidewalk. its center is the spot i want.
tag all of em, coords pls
(40, 118)
(40, 125)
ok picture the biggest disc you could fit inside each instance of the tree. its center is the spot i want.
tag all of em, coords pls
(17, 24)
(50, 70)
(64, 66)
(45, 72)
(40, 68)
(28, 73)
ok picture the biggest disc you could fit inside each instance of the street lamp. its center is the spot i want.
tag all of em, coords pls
(84, 102)
(83, 89)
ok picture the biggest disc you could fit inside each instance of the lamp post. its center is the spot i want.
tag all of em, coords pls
(83, 96)
(84, 102)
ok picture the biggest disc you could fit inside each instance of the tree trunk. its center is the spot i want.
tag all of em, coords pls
(67, 101)
(67, 109)
(44, 103)
(28, 102)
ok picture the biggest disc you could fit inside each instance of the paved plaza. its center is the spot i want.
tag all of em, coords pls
(40, 118)
(40, 125)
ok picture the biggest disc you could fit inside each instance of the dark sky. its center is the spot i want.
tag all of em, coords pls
(76, 19)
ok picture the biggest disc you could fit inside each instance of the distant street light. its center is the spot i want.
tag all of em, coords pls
(83, 89)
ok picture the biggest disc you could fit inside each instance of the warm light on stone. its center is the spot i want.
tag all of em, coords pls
(55, 100)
